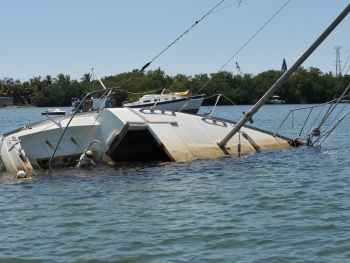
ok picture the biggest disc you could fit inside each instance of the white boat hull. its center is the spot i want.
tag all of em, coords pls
(127, 135)
(172, 105)
(275, 102)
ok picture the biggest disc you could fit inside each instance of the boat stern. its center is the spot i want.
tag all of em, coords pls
(12, 156)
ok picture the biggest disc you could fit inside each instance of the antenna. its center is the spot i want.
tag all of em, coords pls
(337, 60)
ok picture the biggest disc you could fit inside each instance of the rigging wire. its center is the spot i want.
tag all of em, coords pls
(303, 151)
(328, 132)
(319, 114)
(146, 65)
(304, 108)
(328, 114)
(329, 109)
(239, 50)
(332, 129)
(336, 103)
(345, 64)
(254, 35)
(195, 23)
(238, 2)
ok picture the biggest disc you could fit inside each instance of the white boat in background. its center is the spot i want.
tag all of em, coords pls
(53, 112)
(275, 100)
(175, 101)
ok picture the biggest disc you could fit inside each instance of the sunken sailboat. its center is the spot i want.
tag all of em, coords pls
(127, 134)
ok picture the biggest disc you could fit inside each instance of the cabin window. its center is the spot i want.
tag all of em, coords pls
(174, 98)
(165, 98)
(145, 101)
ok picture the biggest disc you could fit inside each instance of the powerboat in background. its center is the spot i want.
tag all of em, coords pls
(53, 112)
(275, 100)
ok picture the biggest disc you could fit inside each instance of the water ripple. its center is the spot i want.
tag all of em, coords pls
(275, 206)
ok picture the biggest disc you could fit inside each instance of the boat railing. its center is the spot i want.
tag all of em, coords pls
(71, 118)
(246, 126)
(40, 123)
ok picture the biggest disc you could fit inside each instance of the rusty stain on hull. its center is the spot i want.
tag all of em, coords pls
(75, 142)
(50, 145)
(26, 165)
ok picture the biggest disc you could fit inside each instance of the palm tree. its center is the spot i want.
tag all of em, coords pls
(62, 80)
(36, 83)
(182, 77)
(48, 80)
(67, 77)
(86, 78)
(27, 92)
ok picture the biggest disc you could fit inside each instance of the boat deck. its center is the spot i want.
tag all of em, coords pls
(92, 113)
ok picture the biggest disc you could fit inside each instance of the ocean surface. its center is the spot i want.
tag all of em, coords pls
(287, 205)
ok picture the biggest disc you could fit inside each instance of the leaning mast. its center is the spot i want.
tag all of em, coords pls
(285, 76)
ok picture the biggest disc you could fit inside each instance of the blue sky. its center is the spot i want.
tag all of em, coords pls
(40, 37)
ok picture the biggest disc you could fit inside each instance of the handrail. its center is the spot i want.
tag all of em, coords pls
(102, 149)
(76, 110)
(304, 108)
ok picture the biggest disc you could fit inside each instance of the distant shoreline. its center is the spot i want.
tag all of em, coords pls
(17, 106)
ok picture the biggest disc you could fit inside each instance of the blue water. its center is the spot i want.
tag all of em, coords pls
(287, 205)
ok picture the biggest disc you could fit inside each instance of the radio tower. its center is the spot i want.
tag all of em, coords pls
(337, 60)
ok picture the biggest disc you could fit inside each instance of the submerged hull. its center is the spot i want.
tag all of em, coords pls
(126, 134)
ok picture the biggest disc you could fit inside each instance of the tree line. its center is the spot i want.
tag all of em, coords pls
(309, 85)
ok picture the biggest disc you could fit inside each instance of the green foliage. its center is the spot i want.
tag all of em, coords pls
(305, 85)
